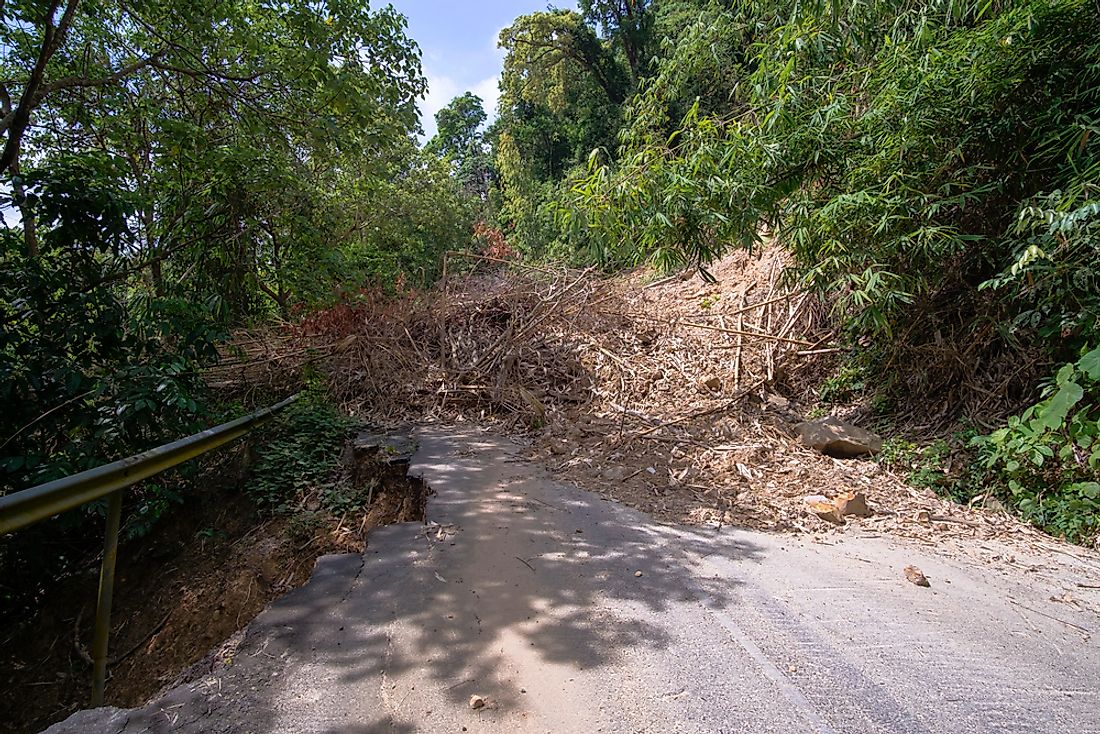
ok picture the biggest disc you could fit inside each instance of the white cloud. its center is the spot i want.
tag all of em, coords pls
(441, 90)
(489, 91)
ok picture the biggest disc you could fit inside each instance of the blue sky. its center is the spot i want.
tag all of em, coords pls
(458, 44)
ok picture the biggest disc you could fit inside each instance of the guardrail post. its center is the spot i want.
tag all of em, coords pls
(20, 509)
(106, 592)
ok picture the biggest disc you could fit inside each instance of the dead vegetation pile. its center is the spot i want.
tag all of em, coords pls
(678, 396)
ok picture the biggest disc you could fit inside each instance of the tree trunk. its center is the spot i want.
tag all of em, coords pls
(155, 268)
(17, 122)
(30, 227)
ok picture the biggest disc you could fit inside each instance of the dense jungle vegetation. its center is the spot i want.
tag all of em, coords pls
(171, 170)
(933, 166)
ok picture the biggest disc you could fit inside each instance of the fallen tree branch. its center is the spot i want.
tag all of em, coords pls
(708, 327)
(701, 413)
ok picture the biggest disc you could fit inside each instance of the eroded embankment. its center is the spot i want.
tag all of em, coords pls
(198, 578)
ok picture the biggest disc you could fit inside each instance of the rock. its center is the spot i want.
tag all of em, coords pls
(826, 511)
(712, 383)
(848, 504)
(477, 702)
(834, 437)
(106, 718)
(915, 576)
(638, 574)
(613, 474)
(853, 504)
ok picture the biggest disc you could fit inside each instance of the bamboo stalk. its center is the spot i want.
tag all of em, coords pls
(708, 327)
(740, 343)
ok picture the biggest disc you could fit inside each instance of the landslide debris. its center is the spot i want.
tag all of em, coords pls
(682, 396)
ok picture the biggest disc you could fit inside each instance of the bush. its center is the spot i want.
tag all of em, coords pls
(298, 455)
(1047, 460)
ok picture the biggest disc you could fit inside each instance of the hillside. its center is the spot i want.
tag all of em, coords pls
(677, 395)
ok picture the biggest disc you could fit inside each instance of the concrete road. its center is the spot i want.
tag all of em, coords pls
(525, 592)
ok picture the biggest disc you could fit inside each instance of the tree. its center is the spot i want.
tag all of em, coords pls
(629, 24)
(458, 126)
(186, 166)
(548, 52)
(460, 140)
(150, 80)
(562, 90)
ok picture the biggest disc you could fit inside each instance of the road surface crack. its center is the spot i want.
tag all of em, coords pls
(354, 581)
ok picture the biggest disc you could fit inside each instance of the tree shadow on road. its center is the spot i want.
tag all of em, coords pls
(517, 581)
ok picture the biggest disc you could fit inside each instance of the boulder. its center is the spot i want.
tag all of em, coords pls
(853, 504)
(826, 511)
(839, 439)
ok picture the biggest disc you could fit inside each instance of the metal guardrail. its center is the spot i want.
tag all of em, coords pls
(20, 509)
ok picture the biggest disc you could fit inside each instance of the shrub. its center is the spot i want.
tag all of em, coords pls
(1047, 459)
(298, 455)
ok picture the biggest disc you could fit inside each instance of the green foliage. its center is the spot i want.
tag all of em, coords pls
(298, 455)
(1047, 459)
(244, 130)
(342, 499)
(459, 140)
(158, 499)
(1055, 268)
(304, 525)
(458, 125)
(405, 223)
(90, 370)
(628, 25)
(180, 168)
(843, 386)
(89, 373)
(529, 215)
(553, 55)
(881, 140)
(922, 466)
(170, 169)
(562, 88)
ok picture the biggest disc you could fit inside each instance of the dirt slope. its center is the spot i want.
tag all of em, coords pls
(676, 395)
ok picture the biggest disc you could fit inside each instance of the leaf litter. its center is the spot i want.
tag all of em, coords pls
(677, 395)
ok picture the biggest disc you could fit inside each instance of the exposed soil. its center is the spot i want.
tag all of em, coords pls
(678, 396)
(200, 576)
